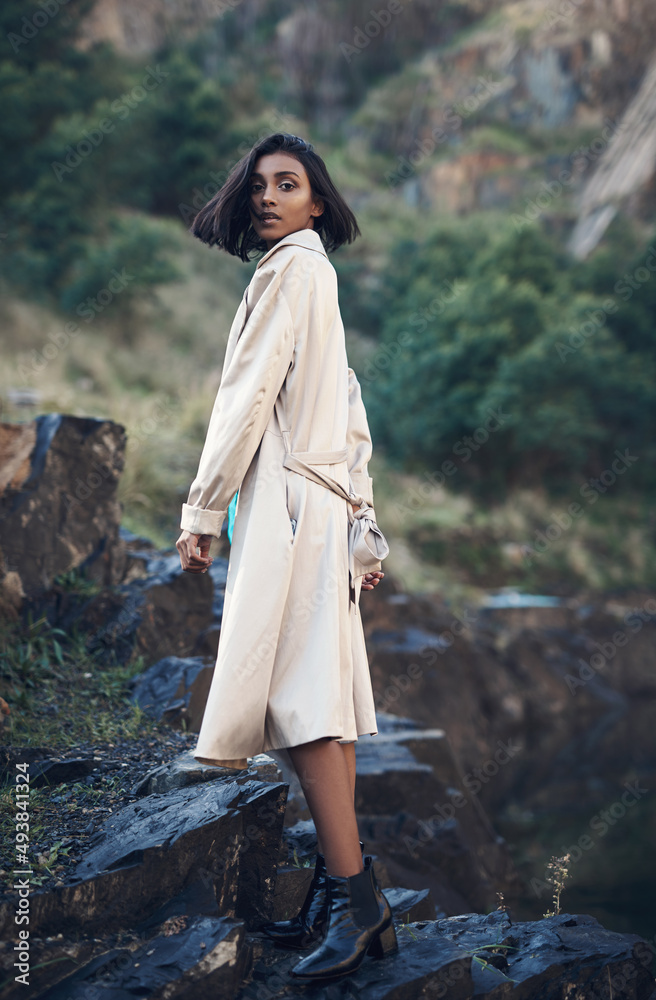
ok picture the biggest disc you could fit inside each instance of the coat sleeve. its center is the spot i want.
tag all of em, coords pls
(358, 441)
(252, 377)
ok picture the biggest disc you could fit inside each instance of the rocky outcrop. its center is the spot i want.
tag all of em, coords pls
(626, 166)
(167, 902)
(161, 611)
(175, 689)
(58, 506)
(541, 705)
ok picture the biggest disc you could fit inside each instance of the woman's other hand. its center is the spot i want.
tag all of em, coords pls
(190, 561)
(369, 580)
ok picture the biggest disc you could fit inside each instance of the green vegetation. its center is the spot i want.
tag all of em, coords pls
(511, 364)
(59, 693)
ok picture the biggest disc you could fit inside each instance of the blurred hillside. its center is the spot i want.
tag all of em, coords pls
(500, 160)
(449, 68)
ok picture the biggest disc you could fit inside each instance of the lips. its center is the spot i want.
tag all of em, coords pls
(263, 218)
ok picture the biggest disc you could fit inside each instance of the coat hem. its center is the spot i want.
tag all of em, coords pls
(338, 738)
(236, 762)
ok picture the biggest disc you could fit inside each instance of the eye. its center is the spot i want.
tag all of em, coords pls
(287, 182)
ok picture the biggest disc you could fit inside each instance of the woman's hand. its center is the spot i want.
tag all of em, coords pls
(369, 580)
(190, 561)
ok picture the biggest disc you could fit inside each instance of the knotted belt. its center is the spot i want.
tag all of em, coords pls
(367, 545)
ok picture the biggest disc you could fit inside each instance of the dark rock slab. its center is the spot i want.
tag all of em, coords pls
(54, 772)
(552, 959)
(417, 970)
(58, 504)
(410, 904)
(186, 770)
(299, 841)
(175, 688)
(225, 830)
(479, 956)
(162, 613)
(292, 884)
(204, 957)
(11, 756)
(55, 958)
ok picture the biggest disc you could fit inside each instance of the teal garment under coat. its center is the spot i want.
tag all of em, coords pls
(231, 515)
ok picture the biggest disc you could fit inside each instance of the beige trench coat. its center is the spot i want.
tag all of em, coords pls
(292, 664)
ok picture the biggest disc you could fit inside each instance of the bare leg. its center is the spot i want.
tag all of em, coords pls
(323, 771)
(349, 753)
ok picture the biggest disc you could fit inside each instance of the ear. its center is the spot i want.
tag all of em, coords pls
(317, 207)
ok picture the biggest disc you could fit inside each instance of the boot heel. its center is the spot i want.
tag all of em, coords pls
(385, 943)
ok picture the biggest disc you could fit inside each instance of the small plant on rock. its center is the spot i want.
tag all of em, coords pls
(558, 874)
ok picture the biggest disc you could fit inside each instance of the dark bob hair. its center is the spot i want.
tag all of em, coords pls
(225, 220)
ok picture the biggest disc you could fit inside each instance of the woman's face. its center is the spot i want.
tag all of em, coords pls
(279, 188)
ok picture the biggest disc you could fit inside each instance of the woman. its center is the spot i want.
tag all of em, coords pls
(289, 431)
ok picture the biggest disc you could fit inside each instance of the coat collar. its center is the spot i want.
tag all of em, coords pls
(308, 238)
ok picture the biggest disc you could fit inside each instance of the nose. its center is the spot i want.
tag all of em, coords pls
(269, 196)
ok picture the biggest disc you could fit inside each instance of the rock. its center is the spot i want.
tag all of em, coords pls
(484, 957)
(558, 956)
(58, 506)
(163, 613)
(197, 956)
(11, 756)
(174, 689)
(292, 884)
(225, 830)
(533, 707)
(299, 840)
(187, 770)
(54, 772)
(416, 970)
(625, 167)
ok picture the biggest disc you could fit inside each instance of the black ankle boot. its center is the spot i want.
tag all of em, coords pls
(359, 923)
(305, 929)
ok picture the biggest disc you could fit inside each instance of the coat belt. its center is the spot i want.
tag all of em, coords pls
(366, 544)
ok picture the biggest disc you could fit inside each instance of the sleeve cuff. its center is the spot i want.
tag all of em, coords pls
(202, 522)
(364, 485)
